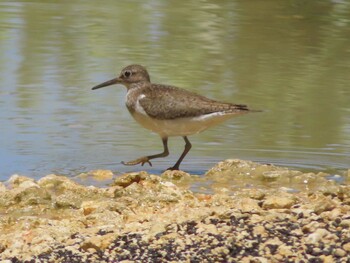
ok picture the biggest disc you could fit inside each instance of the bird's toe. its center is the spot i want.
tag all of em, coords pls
(141, 161)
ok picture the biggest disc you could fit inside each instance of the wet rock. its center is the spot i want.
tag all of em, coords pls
(15, 180)
(24, 194)
(65, 193)
(175, 175)
(148, 189)
(272, 175)
(235, 167)
(321, 203)
(239, 173)
(2, 187)
(57, 183)
(99, 175)
(24, 191)
(127, 179)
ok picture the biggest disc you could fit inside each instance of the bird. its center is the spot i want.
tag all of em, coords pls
(169, 111)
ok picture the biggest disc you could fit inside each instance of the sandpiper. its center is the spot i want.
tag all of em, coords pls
(168, 110)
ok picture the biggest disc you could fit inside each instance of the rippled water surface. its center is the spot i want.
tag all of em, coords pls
(290, 59)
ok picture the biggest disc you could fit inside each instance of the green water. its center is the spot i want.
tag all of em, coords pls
(288, 58)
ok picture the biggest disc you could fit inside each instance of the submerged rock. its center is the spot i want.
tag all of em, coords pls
(239, 173)
(98, 175)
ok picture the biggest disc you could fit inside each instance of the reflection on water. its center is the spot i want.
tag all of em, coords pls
(290, 59)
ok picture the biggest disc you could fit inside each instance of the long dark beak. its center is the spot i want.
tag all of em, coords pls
(107, 83)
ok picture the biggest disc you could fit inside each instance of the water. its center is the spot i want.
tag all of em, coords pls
(288, 58)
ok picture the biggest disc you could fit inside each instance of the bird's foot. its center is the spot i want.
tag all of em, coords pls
(174, 168)
(141, 161)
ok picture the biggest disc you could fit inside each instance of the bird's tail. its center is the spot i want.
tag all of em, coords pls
(244, 108)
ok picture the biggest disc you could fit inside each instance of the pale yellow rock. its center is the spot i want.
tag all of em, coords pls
(247, 205)
(315, 237)
(327, 259)
(175, 175)
(220, 250)
(272, 175)
(98, 242)
(312, 226)
(345, 223)
(285, 250)
(89, 206)
(170, 236)
(259, 230)
(16, 180)
(339, 253)
(2, 187)
(274, 241)
(278, 202)
(28, 184)
(101, 175)
(333, 214)
(346, 247)
(246, 260)
(321, 203)
(129, 178)
(209, 228)
(256, 218)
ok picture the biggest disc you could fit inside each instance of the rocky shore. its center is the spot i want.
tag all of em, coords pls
(243, 212)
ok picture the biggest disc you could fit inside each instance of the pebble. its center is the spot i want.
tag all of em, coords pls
(345, 223)
(99, 175)
(339, 253)
(317, 235)
(346, 247)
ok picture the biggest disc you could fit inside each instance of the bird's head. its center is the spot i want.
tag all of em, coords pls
(129, 75)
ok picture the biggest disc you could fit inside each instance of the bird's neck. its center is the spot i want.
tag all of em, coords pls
(135, 90)
(138, 85)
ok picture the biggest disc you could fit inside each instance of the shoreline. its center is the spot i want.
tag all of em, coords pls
(255, 213)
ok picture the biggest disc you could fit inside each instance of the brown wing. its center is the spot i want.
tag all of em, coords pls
(168, 102)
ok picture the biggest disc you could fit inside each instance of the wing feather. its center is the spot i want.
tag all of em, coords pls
(168, 102)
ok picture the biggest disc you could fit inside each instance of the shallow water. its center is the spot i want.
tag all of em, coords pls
(288, 58)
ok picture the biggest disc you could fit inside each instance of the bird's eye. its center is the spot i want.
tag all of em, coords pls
(127, 73)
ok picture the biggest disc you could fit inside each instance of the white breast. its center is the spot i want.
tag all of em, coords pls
(138, 107)
(180, 126)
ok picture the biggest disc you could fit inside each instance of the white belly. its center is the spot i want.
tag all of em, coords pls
(181, 126)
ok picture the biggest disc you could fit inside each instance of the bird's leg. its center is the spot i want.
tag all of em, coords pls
(188, 147)
(146, 159)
